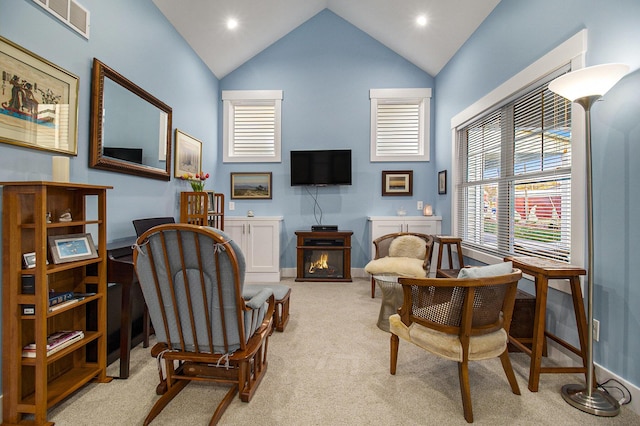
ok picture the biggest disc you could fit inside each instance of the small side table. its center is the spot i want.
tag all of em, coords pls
(543, 270)
(392, 298)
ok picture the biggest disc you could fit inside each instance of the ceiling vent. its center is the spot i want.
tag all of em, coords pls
(70, 12)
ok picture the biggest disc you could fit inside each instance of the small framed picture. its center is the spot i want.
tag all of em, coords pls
(188, 155)
(73, 247)
(398, 182)
(250, 186)
(211, 199)
(442, 182)
(29, 260)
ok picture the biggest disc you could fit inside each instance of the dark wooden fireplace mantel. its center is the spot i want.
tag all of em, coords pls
(335, 244)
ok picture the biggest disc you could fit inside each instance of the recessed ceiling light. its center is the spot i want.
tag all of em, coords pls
(421, 20)
(232, 23)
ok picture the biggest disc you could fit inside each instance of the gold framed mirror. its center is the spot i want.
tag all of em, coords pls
(130, 128)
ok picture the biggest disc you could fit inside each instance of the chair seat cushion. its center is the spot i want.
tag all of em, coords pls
(407, 266)
(495, 270)
(408, 246)
(448, 345)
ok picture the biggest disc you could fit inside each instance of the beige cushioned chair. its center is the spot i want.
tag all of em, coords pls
(403, 254)
(461, 319)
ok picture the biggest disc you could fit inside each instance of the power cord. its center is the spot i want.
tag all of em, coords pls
(316, 205)
(619, 388)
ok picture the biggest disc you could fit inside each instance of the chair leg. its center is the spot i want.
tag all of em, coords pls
(465, 390)
(223, 405)
(373, 288)
(395, 342)
(165, 399)
(508, 370)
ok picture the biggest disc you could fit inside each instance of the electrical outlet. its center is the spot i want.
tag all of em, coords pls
(232, 205)
(419, 205)
(596, 330)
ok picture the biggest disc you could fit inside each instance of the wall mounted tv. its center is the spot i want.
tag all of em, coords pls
(325, 167)
(128, 154)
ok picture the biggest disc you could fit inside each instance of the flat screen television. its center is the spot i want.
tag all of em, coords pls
(128, 154)
(322, 167)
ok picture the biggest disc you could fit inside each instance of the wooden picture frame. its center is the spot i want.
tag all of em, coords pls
(397, 182)
(442, 182)
(38, 103)
(188, 159)
(251, 186)
(72, 247)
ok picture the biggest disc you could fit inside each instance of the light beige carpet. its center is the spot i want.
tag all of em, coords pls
(331, 367)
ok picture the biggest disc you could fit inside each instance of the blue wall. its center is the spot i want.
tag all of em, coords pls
(325, 68)
(135, 39)
(517, 33)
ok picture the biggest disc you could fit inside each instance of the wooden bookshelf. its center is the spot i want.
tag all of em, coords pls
(33, 385)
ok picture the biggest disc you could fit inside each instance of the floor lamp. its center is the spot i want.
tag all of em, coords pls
(585, 87)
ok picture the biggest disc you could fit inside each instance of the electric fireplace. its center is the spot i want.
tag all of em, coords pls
(324, 256)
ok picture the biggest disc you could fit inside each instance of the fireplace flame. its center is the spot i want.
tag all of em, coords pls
(321, 263)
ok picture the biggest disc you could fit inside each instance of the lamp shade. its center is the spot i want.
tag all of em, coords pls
(590, 81)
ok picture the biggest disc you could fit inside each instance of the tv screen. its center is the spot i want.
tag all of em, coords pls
(128, 154)
(326, 167)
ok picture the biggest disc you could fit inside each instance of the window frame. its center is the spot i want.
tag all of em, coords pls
(232, 98)
(572, 52)
(412, 96)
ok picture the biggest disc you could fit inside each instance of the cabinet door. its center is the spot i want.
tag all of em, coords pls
(421, 226)
(384, 227)
(235, 230)
(263, 246)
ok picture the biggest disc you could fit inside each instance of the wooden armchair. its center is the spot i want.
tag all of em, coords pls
(192, 279)
(403, 247)
(461, 319)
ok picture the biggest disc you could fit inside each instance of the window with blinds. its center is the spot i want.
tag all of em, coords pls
(400, 124)
(514, 196)
(251, 125)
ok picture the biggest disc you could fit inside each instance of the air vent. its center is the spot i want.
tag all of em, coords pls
(70, 12)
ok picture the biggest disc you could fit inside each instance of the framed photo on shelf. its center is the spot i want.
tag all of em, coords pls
(442, 182)
(38, 102)
(397, 182)
(72, 247)
(29, 260)
(188, 155)
(211, 199)
(250, 186)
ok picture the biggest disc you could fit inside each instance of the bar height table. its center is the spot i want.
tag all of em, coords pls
(543, 270)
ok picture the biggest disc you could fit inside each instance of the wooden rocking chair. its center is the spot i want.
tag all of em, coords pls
(192, 279)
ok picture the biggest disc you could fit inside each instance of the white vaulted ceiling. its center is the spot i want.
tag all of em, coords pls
(202, 23)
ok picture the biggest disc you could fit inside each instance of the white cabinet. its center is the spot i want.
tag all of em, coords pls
(382, 225)
(259, 239)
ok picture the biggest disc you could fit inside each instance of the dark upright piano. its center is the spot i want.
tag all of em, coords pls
(127, 324)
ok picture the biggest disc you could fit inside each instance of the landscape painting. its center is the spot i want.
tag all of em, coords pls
(251, 185)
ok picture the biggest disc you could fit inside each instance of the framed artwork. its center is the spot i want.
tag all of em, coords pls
(29, 260)
(188, 155)
(245, 186)
(69, 248)
(38, 102)
(442, 182)
(211, 201)
(397, 182)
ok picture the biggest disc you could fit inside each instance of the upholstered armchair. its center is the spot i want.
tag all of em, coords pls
(461, 319)
(192, 279)
(403, 254)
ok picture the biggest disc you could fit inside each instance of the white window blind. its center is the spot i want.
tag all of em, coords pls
(251, 128)
(400, 124)
(514, 196)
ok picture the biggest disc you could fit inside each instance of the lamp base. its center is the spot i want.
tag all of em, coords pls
(598, 403)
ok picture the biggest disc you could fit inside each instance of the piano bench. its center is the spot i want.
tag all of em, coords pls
(282, 295)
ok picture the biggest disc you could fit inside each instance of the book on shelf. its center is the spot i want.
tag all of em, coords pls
(55, 342)
(55, 298)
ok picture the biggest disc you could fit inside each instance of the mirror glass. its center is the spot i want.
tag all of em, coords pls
(130, 128)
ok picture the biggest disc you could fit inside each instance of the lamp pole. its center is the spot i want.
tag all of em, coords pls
(585, 87)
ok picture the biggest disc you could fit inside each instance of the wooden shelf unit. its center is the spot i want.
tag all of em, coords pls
(204, 208)
(33, 385)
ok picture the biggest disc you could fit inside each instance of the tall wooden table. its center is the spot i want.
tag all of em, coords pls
(543, 270)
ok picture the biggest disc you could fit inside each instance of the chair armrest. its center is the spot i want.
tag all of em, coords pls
(257, 301)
